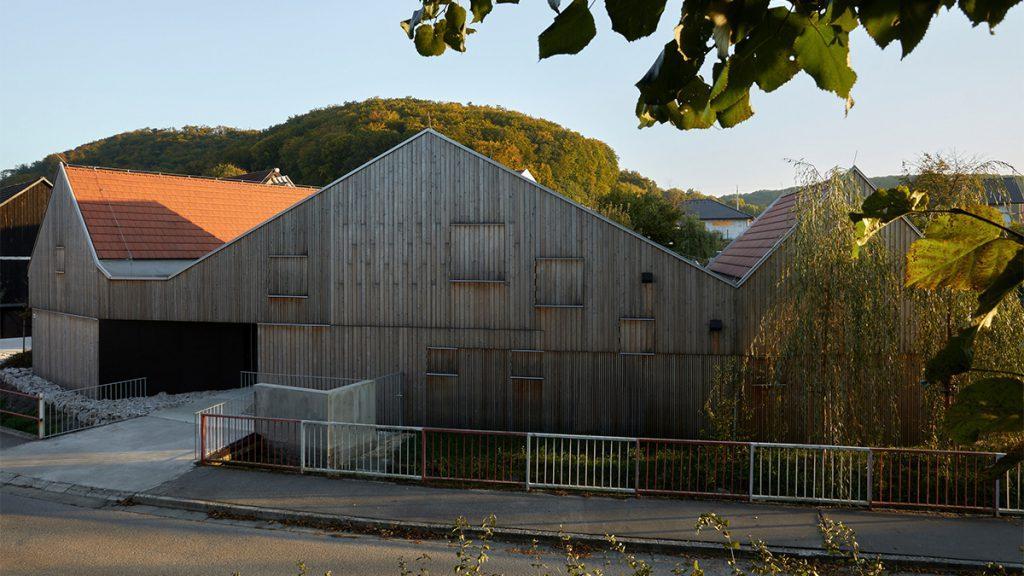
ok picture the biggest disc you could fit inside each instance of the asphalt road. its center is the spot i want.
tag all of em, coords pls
(42, 537)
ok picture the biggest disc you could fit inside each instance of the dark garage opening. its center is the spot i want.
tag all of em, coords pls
(176, 356)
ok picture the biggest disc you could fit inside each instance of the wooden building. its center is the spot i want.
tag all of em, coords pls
(22, 207)
(502, 303)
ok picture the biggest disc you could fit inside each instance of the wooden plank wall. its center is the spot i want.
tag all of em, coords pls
(65, 348)
(382, 248)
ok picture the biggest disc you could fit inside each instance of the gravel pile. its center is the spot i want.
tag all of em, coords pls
(87, 411)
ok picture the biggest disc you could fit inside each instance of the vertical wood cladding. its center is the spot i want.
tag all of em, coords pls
(559, 282)
(65, 348)
(477, 252)
(381, 247)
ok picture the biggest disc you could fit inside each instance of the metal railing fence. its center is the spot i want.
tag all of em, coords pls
(22, 412)
(474, 456)
(694, 468)
(66, 416)
(753, 471)
(946, 479)
(598, 463)
(810, 473)
(250, 440)
(244, 405)
(362, 449)
(1009, 491)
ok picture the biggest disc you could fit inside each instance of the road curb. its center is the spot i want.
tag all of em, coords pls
(425, 530)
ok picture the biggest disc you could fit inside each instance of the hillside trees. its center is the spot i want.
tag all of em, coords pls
(720, 49)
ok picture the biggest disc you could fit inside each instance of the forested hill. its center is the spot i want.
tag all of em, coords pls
(321, 145)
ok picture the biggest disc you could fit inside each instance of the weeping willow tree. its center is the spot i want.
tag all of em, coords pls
(839, 351)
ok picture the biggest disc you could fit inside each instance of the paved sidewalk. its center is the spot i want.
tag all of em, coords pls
(977, 539)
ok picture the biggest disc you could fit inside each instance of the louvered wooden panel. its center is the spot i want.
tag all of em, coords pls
(559, 282)
(636, 335)
(477, 252)
(288, 275)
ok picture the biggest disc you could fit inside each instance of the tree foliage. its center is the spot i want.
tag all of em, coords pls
(720, 49)
(966, 248)
(640, 204)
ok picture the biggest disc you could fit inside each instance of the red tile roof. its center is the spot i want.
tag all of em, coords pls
(143, 215)
(743, 254)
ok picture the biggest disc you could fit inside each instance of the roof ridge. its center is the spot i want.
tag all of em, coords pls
(176, 175)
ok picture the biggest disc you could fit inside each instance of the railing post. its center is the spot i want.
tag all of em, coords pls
(996, 510)
(871, 470)
(202, 439)
(41, 423)
(302, 446)
(636, 479)
(423, 454)
(529, 438)
(750, 487)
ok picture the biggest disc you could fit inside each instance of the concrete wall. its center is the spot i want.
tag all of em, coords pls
(327, 446)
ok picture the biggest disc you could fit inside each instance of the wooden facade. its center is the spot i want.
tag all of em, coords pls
(22, 208)
(503, 304)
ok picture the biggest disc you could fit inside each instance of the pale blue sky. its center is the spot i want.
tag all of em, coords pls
(73, 72)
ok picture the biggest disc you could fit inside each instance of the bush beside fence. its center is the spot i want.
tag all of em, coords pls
(753, 471)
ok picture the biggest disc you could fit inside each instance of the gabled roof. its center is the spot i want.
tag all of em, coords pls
(769, 229)
(143, 215)
(708, 209)
(9, 192)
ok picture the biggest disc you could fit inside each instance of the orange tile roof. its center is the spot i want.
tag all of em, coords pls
(143, 215)
(743, 254)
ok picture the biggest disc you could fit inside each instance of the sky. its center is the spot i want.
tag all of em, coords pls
(74, 72)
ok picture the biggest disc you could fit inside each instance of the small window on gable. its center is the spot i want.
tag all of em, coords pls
(558, 282)
(477, 252)
(636, 335)
(442, 361)
(58, 259)
(288, 276)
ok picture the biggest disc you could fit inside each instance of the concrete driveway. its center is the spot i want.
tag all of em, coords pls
(131, 455)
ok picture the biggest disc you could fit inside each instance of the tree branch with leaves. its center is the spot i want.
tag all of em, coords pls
(750, 42)
(963, 249)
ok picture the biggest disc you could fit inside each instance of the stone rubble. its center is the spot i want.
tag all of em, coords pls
(87, 411)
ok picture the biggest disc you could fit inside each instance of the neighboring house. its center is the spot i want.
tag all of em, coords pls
(22, 207)
(502, 304)
(718, 217)
(270, 176)
(1005, 194)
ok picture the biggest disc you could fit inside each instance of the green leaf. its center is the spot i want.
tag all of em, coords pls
(881, 20)
(455, 27)
(991, 11)
(1002, 286)
(915, 17)
(955, 357)
(571, 31)
(694, 30)
(882, 207)
(429, 39)
(824, 53)
(480, 9)
(989, 406)
(766, 55)
(960, 252)
(737, 112)
(667, 76)
(635, 19)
